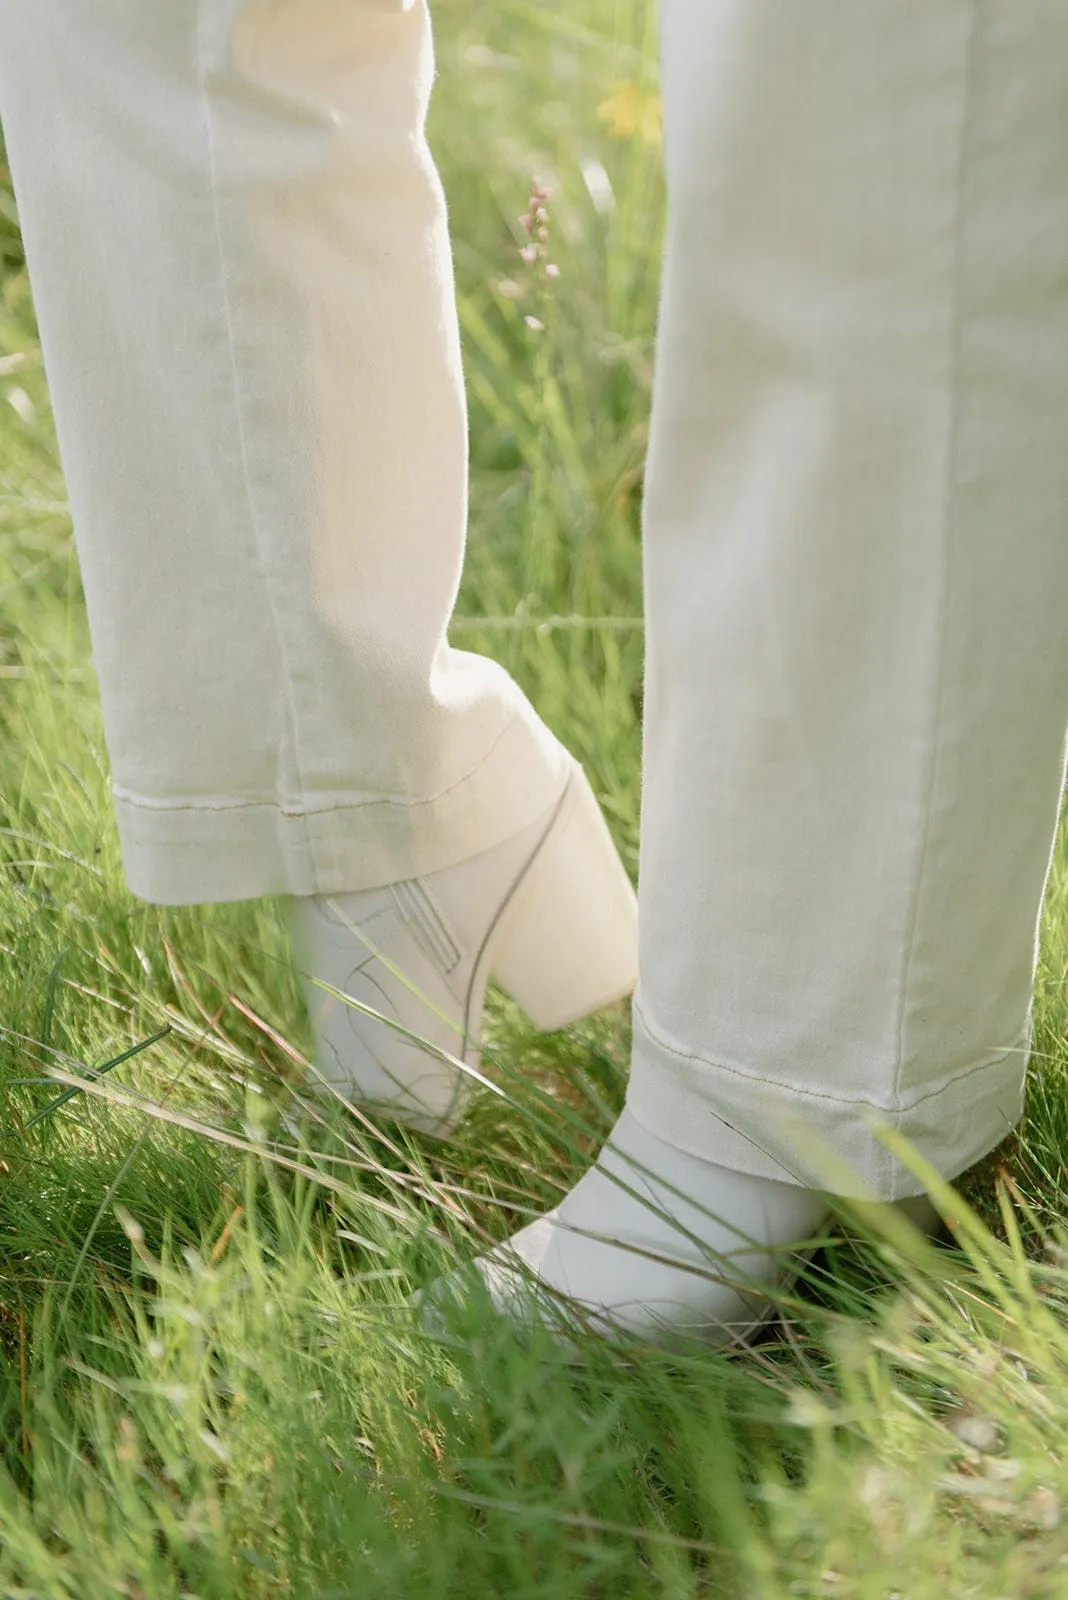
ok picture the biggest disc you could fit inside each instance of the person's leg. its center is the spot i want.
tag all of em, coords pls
(238, 249)
(856, 570)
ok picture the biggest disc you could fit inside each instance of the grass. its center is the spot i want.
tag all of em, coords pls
(208, 1384)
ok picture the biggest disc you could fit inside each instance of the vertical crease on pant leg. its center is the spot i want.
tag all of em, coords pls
(283, 659)
(949, 514)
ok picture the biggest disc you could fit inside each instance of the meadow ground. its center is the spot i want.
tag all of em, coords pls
(209, 1385)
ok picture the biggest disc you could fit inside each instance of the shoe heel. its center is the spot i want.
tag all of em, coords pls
(568, 938)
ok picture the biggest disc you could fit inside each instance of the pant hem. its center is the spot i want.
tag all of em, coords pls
(190, 853)
(766, 1129)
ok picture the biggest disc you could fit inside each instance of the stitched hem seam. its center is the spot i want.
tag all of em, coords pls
(127, 797)
(846, 1100)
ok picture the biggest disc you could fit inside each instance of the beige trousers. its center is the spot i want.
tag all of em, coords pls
(856, 553)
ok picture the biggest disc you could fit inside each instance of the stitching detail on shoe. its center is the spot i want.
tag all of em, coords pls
(424, 923)
(364, 937)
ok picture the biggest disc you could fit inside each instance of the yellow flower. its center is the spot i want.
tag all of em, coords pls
(629, 113)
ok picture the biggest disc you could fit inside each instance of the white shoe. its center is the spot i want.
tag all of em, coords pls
(550, 914)
(657, 1243)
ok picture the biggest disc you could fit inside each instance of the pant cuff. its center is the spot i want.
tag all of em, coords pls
(770, 1130)
(219, 850)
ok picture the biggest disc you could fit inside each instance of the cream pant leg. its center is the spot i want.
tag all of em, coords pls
(856, 580)
(238, 250)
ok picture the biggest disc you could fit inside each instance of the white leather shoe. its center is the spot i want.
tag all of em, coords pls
(657, 1243)
(550, 914)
